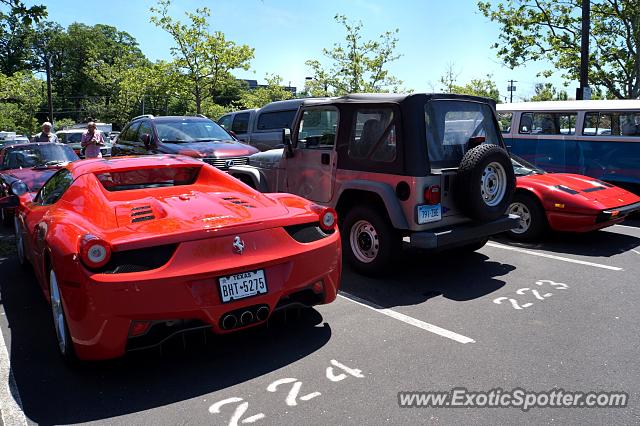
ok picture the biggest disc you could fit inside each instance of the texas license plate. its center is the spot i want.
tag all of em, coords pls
(428, 214)
(239, 286)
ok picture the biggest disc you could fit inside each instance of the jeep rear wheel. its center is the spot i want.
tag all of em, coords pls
(369, 241)
(485, 183)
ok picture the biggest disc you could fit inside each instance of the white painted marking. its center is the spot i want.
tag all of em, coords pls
(309, 396)
(408, 320)
(627, 226)
(635, 251)
(10, 403)
(551, 256)
(254, 419)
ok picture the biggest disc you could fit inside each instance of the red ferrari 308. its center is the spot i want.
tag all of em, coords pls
(565, 202)
(132, 251)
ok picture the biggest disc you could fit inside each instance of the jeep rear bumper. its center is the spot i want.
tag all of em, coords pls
(459, 235)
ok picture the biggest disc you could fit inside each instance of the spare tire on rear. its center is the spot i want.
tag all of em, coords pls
(485, 183)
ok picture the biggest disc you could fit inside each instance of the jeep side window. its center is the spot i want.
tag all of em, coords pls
(318, 128)
(373, 136)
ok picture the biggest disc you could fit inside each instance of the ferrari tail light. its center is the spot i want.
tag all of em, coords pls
(432, 194)
(94, 252)
(138, 328)
(328, 219)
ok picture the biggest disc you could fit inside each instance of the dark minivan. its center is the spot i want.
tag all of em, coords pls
(197, 137)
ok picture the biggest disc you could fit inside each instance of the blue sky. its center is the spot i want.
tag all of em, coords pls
(285, 33)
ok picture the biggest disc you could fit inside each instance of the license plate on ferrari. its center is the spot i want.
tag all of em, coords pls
(239, 286)
(428, 214)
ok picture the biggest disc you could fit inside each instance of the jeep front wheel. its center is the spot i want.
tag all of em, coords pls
(369, 241)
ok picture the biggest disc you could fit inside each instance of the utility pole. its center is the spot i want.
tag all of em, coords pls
(584, 91)
(511, 88)
(49, 98)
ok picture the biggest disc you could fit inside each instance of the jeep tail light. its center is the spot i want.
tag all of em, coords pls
(94, 252)
(328, 219)
(432, 194)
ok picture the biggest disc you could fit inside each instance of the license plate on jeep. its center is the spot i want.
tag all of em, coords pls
(428, 214)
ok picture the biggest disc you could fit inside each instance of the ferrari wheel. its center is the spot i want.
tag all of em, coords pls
(65, 346)
(533, 221)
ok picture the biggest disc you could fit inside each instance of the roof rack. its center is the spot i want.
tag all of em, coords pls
(142, 116)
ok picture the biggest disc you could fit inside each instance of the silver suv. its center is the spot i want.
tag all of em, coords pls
(432, 168)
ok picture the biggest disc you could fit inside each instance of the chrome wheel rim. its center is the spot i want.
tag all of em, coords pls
(19, 242)
(521, 210)
(493, 185)
(58, 313)
(364, 241)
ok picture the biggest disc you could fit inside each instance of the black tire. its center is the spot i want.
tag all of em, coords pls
(369, 241)
(477, 167)
(20, 248)
(531, 226)
(7, 217)
(63, 337)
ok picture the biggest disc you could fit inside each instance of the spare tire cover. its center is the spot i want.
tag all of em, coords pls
(485, 183)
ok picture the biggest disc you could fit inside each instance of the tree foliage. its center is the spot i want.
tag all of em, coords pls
(484, 87)
(20, 97)
(356, 65)
(26, 14)
(547, 92)
(259, 97)
(533, 30)
(206, 58)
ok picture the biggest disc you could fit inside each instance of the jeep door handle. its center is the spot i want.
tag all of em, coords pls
(325, 158)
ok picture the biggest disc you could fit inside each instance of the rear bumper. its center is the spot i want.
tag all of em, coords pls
(462, 234)
(184, 295)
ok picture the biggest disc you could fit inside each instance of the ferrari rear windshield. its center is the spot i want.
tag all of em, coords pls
(148, 178)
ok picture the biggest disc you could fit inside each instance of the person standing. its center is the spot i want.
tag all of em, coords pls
(46, 135)
(91, 141)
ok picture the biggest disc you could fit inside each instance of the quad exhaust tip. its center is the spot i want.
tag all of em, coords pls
(246, 317)
(229, 321)
(262, 313)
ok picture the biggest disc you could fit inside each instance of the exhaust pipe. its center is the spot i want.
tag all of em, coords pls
(246, 317)
(229, 321)
(262, 313)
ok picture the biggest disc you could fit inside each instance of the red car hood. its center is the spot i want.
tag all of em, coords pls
(33, 178)
(579, 188)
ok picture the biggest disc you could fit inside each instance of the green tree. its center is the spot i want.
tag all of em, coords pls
(357, 65)
(20, 97)
(257, 98)
(484, 87)
(26, 14)
(533, 30)
(547, 92)
(207, 59)
(15, 38)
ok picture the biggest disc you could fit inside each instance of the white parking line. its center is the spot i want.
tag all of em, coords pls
(407, 319)
(551, 256)
(627, 226)
(10, 404)
(635, 251)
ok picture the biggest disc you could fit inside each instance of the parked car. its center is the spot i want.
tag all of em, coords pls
(197, 137)
(25, 167)
(429, 167)
(73, 138)
(262, 128)
(565, 202)
(131, 251)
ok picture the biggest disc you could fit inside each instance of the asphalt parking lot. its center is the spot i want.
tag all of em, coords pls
(563, 313)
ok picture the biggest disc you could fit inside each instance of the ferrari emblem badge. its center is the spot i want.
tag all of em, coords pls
(238, 245)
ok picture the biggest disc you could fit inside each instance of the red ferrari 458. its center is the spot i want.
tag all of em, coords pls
(565, 202)
(130, 251)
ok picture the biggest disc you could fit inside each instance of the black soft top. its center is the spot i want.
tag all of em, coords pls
(397, 98)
